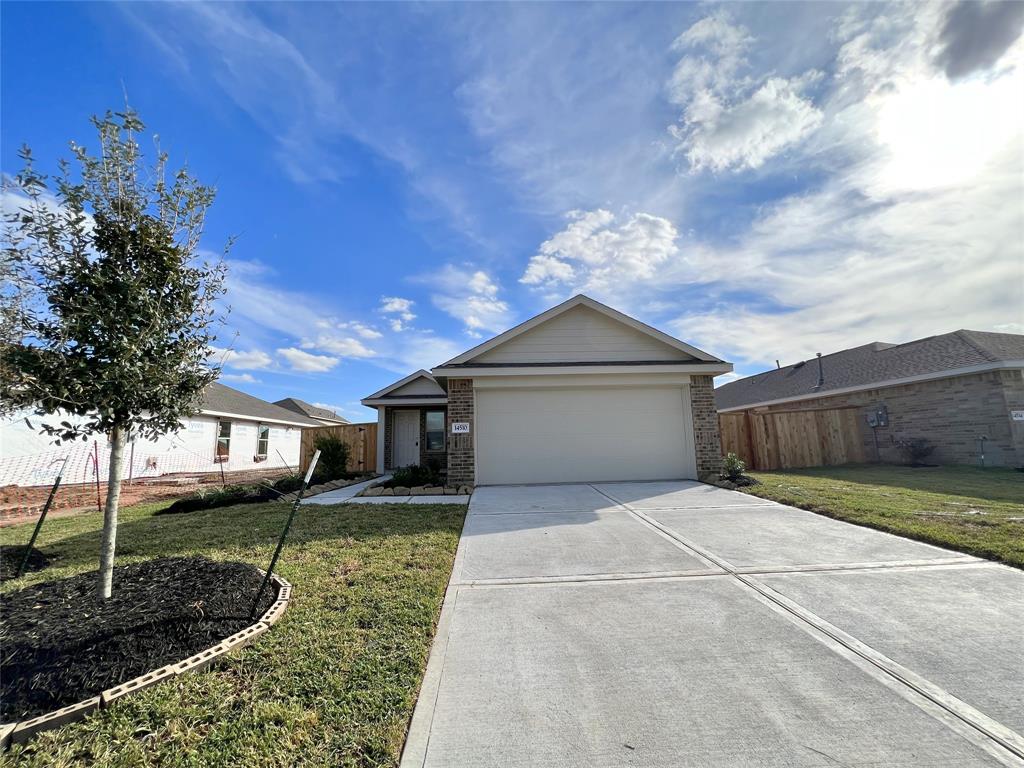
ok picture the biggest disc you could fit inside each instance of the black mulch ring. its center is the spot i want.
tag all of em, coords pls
(60, 643)
(11, 557)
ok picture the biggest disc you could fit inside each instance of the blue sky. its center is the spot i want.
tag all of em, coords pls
(762, 180)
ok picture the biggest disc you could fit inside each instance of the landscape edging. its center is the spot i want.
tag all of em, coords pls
(19, 732)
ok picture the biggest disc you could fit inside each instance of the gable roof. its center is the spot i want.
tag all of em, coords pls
(876, 364)
(467, 359)
(222, 400)
(312, 411)
(429, 391)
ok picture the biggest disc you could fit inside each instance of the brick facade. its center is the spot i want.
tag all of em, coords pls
(951, 413)
(707, 440)
(461, 459)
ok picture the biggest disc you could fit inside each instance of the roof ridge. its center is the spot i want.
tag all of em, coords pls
(962, 333)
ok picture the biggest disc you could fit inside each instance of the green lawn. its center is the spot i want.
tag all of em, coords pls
(333, 683)
(970, 509)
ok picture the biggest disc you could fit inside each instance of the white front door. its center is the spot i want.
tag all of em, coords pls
(407, 438)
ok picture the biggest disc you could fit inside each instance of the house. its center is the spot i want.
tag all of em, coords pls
(962, 391)
(232, 431)
(324, 416)
(578, 393)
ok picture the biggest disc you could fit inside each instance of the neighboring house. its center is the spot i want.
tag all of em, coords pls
(578, 393)
(325, 416)
(951, 389)
(233, 431)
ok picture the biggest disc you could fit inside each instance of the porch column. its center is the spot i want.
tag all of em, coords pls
(381, 420)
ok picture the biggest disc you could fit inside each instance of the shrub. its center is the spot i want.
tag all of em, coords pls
(733, 467)
(288, 483)
(414, 475)
(915, 449)
(333, 458)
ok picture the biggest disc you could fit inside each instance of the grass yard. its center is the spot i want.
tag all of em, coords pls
(970, 509)
(333, 683)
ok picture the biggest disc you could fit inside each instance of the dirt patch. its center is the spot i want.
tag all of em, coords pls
(60, 643)
(11, 557)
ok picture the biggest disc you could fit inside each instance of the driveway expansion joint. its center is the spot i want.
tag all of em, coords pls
(995, 731)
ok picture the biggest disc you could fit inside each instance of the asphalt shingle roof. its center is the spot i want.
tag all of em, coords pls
(314, 412)
(224, 399)
(873, 363)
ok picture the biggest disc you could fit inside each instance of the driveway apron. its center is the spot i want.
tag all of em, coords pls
(679, 624)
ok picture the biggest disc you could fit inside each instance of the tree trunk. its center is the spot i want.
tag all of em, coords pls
(117, 440)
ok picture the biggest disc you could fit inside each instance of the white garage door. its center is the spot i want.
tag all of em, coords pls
(583, 434)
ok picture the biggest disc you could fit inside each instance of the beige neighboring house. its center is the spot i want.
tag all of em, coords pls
(963, 391)
(324, 416)
(578, 393)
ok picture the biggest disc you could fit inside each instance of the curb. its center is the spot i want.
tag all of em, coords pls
(20, 732)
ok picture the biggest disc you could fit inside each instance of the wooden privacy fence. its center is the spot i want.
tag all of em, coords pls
(789, 439)
(361, 440)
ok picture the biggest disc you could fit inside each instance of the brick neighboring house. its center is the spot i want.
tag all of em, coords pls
(950, 389)
(578, 393)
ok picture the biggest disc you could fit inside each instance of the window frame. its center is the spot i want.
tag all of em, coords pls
(260, 427)
(427, 431)
(218, 457)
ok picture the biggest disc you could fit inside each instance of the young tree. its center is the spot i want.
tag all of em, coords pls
(115, 311)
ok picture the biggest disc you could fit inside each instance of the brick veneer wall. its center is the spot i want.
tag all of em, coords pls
(707, 440)
(461, 461)
(951, 413)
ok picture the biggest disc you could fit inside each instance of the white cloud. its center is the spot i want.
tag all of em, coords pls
(306, 361)
(345, 346)
(470, 296)
(241, 378)
(731, 122)
(398, 311)
(600, 252)
(252, 359)
(361, 330)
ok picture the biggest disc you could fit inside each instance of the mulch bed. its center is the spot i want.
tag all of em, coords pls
(11, 557)
(60, 643)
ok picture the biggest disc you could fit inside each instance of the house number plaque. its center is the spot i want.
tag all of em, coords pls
(460, 427)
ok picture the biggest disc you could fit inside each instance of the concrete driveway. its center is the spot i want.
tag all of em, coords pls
(678, 624)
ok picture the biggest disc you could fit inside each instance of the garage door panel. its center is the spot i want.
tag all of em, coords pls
(582, 434)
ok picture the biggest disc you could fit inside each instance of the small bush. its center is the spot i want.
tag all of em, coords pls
(414, 475)
(288, 483)
(733, 467)
(915, 449)
(333, 464)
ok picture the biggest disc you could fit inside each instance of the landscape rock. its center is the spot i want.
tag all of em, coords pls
(388, 492)
(418, 490)
(401, 490)
(373, 492)
(434, 490)
(449, 491)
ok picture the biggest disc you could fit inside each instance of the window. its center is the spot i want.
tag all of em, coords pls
(435, 430)
(223, 441)
(262, 442)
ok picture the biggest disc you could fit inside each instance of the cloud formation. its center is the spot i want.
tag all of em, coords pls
(398, 311)
(470, 296)
(598, 251)
(299, 360)
(729, 121)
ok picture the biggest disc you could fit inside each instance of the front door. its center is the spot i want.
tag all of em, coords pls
(407, 438)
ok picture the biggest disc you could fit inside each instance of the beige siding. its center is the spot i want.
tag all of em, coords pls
(420, 386)
(581, 335)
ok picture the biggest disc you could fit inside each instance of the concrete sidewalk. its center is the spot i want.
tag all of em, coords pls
(674, 624)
